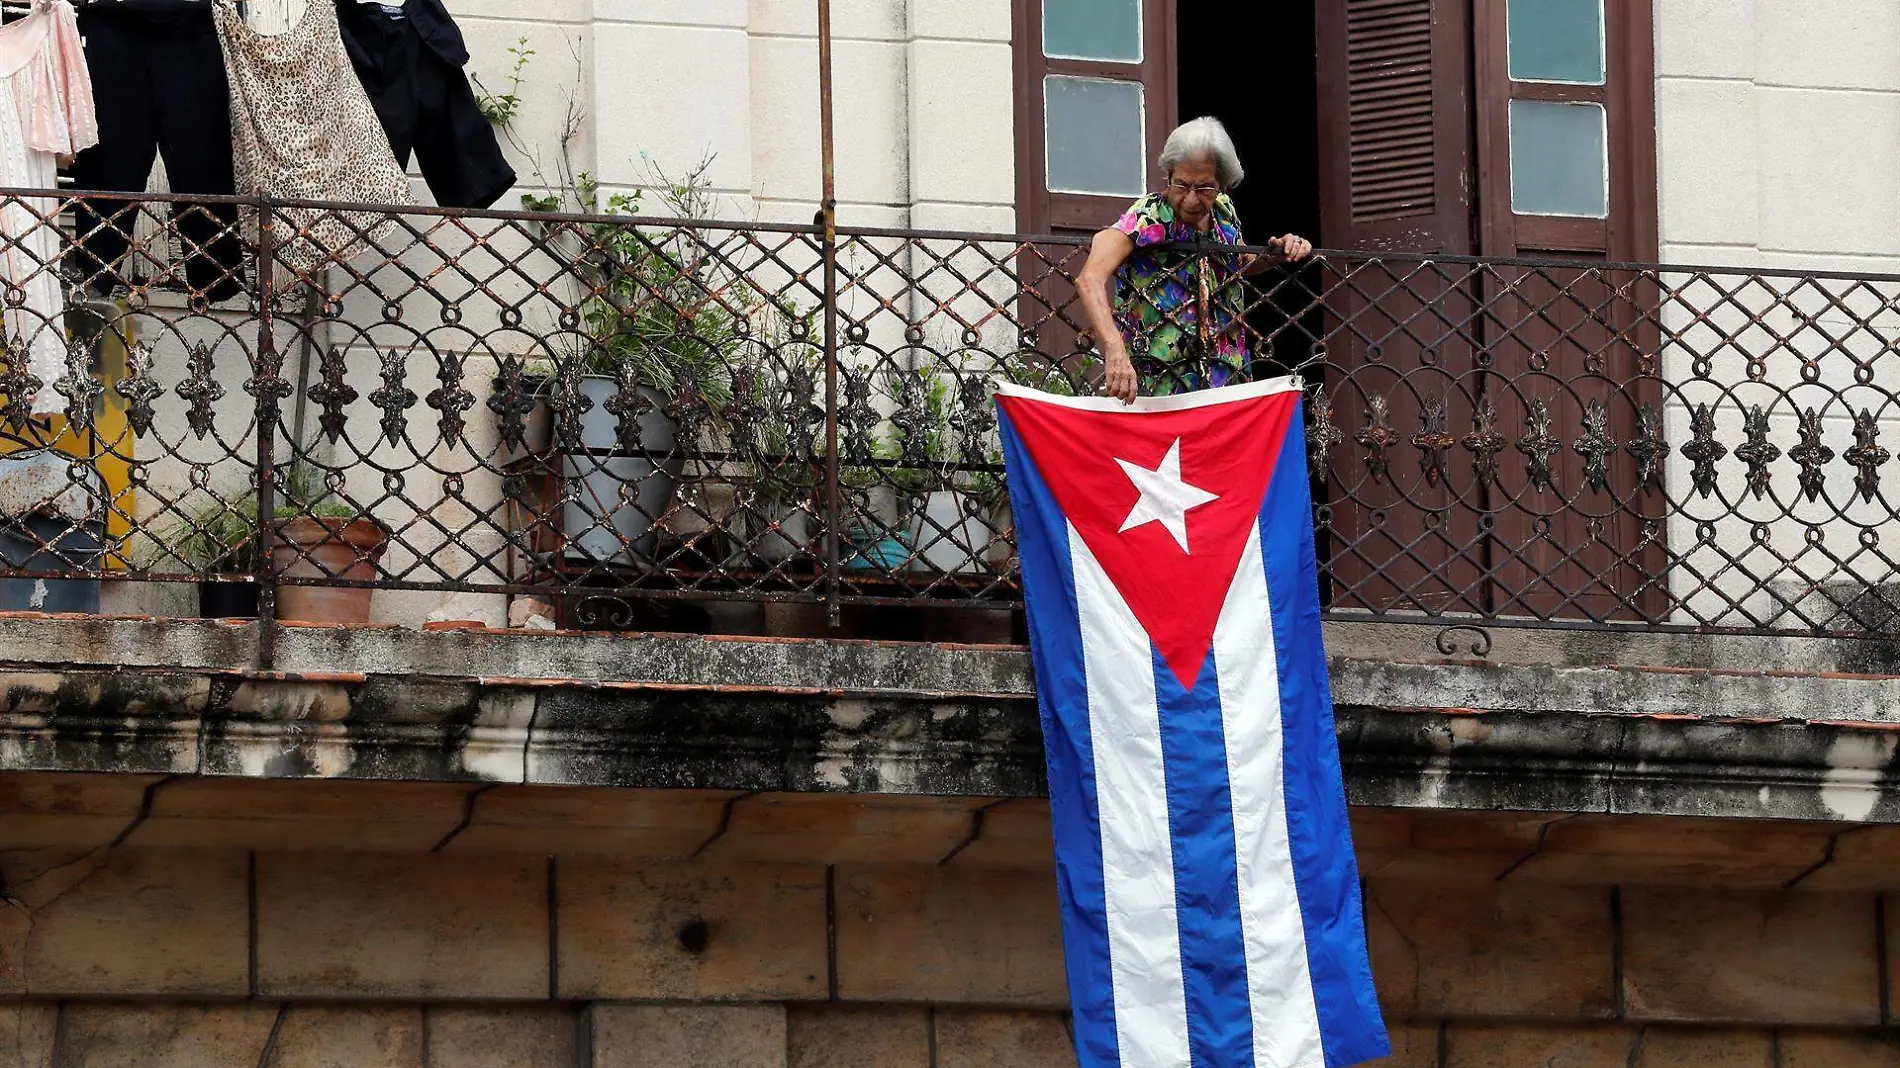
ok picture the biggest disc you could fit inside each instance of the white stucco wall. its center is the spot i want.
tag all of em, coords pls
(1778, 132)
(923, 100)
(1778, 147)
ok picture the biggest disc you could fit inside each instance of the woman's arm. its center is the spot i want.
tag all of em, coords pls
(1096, 287)
(1287, 248)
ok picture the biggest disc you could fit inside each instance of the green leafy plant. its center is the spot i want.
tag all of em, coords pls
(501, 108)
(928, 441)
(661, 308)
(220, 537)
(303, 490)
(215, 538)
(988, 487)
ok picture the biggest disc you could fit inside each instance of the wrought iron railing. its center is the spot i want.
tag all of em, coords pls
(597, 411)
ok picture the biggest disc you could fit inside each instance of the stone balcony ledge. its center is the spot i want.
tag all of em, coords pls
(1548, 721)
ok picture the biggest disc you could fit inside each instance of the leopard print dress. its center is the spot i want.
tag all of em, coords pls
(303, 129)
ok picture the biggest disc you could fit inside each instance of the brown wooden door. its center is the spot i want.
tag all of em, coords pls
(1095, 99)
(1396, 175)
(1567, 171)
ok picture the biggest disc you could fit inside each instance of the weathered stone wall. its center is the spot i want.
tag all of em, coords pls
(1745, 951)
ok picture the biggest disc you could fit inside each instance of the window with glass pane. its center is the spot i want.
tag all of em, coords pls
(1105, 30)
(1555, 40)
(1560, 163)
(1093, 135)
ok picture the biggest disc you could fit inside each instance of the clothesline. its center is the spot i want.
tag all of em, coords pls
(375, 80)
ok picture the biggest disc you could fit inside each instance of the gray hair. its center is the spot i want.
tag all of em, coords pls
(1203, 138)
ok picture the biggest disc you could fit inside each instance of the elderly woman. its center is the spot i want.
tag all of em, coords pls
(1153, 300)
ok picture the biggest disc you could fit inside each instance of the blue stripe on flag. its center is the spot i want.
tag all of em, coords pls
(1055, 645)
(1324, 871)
(1206, 876)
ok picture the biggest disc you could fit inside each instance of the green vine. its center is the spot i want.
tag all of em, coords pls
(501, 108)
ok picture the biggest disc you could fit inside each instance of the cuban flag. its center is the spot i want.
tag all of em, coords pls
(1210, 899)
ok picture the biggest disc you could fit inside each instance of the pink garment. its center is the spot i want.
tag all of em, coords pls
(45, 112)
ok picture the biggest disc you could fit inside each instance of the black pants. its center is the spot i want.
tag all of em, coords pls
(426, 106)
(158, 89)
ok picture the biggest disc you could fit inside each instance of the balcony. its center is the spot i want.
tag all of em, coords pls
(606, 414)
(1562, 508)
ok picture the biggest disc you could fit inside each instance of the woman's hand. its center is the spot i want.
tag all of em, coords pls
(1118, 378)
(1291, 248)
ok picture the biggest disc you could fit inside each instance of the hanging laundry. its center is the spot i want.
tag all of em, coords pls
(410, 58)
(304, 130)
(45, 112)
(166, 96)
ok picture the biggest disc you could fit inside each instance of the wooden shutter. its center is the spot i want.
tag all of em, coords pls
(1579, 343)
(1040, 211)
(1048, 305)
(1395, 130)
(1396, 175)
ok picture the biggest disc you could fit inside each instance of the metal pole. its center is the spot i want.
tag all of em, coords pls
(828, 219)
(266, 419)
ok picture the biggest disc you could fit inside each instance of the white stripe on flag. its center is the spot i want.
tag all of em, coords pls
(1285, 1020)
(1144, 937)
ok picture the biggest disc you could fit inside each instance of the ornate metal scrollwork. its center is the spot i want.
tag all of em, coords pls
(1702, 450)
(266, 384)
(510, 402)
(628, 404)
(857, 418)
(1377, 436)
(332, 392)
(139, 388)
(802, 413)
(450, 397)
(745, 411)
(913, 418)
(1433, 441)
(1648, 448)
(200, 389)
(1811, 454)
(569, 406)
(1866, 455)
(688, 408)
(1484, 443)
(81, 390)
(973, 418)
(1322, 434)
(1477, 641)
(1757, 452)
(1538, 446)
(394, 397)
(1595, 446)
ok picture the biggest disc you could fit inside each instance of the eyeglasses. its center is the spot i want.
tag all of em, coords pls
(1205, 191)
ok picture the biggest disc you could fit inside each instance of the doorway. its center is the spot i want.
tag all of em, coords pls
(1255, 67)
(1266, 92)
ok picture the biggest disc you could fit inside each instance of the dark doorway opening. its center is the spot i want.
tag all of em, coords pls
(1255, 67)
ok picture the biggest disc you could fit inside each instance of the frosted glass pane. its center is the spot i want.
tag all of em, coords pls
(1108, 30)
(1556, 40)
(1094, 136)
(1558, 162)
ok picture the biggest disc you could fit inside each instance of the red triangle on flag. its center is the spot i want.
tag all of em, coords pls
(1138, 481)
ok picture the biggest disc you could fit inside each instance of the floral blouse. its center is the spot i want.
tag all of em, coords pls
(1158, 297)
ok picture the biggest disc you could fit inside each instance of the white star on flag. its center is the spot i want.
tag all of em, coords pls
(1165, 497)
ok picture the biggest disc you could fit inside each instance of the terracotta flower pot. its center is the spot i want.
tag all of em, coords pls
(336, 550)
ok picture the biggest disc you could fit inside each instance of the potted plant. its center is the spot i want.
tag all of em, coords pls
(988, 489)
(778, 500)
(948, 527)
(317, 536)
(655, 339)
(218, 542)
